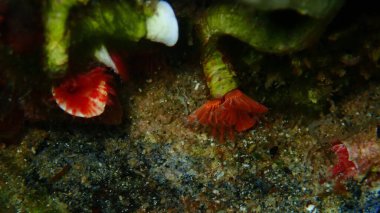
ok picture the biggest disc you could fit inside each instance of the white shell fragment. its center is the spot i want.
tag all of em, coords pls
(162, 26)
(104, 57)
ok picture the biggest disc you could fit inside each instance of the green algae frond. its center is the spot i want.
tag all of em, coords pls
(57, 35)
(96, 23)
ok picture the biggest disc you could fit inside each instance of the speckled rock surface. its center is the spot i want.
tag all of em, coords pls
(154, 161)
(161, 164)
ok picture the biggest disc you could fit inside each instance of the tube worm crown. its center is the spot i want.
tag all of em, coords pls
(85, 95)
(234, 111)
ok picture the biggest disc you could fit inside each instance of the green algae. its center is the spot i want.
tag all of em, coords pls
(93, 25)
(119, 21)
(57, 35)
(264, 30)
(315, 9)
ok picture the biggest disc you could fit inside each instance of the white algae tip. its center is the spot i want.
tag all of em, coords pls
(162, 26)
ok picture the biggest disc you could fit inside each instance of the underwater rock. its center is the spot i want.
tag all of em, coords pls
(267, 31)
(98, 23)
(274, 31)
(11, 124)
(83, 34)
(17, 19)
(15, 193)
(315, 9)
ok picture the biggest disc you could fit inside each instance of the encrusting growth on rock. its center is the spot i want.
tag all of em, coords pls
(344, 167)
(356, 157)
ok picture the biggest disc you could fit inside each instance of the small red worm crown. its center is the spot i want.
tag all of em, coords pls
(234, 111)
(85, 95)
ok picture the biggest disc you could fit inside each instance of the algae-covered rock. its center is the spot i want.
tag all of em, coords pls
(98, 21)
(314, 8)
(86, 25)
(273, 31)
